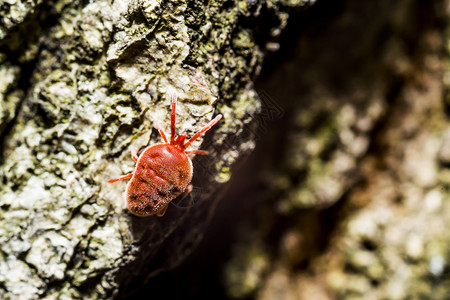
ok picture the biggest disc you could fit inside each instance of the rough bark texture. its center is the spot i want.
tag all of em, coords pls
(347, 195)
(81, 84)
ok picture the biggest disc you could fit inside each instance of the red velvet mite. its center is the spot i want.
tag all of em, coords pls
(162, 172)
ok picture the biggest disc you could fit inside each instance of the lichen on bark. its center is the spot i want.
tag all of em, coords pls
(83, 83)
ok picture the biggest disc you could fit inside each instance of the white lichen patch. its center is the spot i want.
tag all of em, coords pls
(436, 265)
(19, 280)
(30, 195)
(189, 85)
(61, 89)
(414, 246)
(363, 227)
(8, 75)
(433, 200)
(93, 36)
(16, 245)
(149, 6)
(420, 161)
(105, 245)
(49, 254)
(80, 225)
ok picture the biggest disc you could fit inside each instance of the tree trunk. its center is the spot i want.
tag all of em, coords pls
(82, 83)
(345, 197)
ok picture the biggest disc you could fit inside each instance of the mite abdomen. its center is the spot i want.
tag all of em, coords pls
(162, 173)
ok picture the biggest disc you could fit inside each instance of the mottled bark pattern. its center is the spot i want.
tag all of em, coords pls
(81, 84)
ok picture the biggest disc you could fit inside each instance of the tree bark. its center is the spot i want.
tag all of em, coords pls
(357, 172)
(81, 84)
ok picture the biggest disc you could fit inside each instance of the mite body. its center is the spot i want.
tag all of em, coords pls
(162, 171)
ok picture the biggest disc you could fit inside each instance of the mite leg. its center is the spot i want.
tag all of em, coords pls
(202, 152)
(134, 154)
(161, 132)
(172, 118)
(162, 211)
(121, 178)
(186, 192)
(188, 189)
(180, 139)
(203, 130)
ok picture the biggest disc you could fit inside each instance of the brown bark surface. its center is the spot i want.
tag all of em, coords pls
(345, 197)
(83, 83)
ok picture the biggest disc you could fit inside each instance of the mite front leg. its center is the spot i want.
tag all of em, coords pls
(201, 152)
(162, 211)
(134, 154)
(121, 178)
(188, 189)
(161, 132)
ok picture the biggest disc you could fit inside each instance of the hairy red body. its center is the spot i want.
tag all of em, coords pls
(162, 171)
